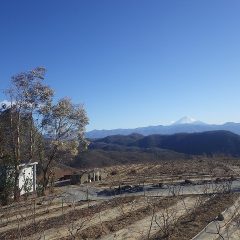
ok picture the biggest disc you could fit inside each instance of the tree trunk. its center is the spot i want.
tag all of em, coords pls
(17, 160)
(31, 138)
(16, 183)
(45, 182)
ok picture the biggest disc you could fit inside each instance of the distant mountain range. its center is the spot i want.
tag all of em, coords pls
(209, 143)
(136, 148)
(184, 125)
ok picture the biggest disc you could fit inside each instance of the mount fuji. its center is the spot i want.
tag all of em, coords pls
(183, 125)
(188, 120)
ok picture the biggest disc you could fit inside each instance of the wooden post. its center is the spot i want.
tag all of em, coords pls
(34, 212)
(144, 193)
(62, 205)
(153, 215)
(87, 197)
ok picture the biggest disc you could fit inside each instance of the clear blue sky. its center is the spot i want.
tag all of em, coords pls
(131, 62)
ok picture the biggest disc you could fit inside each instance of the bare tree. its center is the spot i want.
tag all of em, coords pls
(39, 130)
(28, 96)
(63, 125)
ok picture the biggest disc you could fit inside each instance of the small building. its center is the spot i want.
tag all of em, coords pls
(80, 178)
(27, 176)
(87, 176)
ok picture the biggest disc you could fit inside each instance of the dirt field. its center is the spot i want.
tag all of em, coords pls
(123, 217)
(139, 216)
(172, 171)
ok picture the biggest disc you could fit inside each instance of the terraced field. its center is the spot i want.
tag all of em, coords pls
(169, 171)
(135, 217)
(170, 216)
(120, 218)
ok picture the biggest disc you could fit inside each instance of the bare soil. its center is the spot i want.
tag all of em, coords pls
(126, 219)
(63, 219)
(188, 226)
(165, 171)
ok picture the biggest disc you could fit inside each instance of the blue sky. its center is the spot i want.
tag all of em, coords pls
(131, 62)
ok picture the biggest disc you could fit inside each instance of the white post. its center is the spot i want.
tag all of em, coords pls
(97, 176)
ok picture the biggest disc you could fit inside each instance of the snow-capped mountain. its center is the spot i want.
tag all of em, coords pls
(188, 120)
(183, 125)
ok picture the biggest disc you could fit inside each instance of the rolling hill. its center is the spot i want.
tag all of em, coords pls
(211, 142)
(136, 148)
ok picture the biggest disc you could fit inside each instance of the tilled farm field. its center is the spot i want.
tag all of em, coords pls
(184, 215)
(136, 217)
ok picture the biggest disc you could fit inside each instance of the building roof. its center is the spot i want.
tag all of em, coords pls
(28, 164)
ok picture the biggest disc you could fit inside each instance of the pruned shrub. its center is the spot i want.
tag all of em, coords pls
(132, 171)
(114, 172)
(220, 217)
(188, 181)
